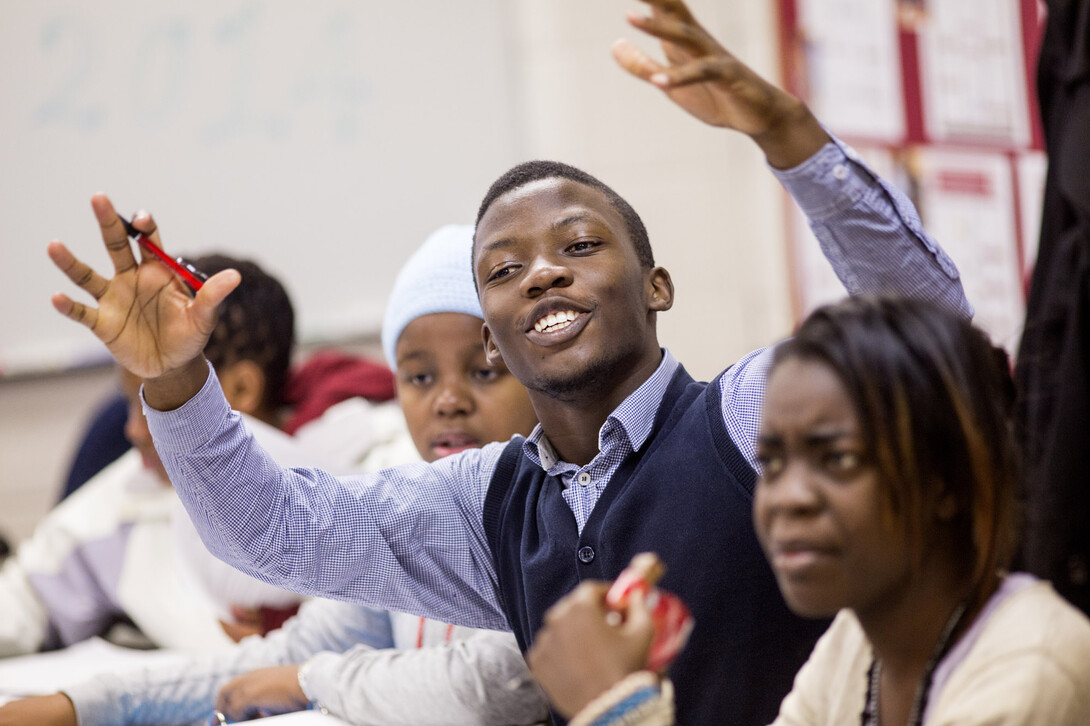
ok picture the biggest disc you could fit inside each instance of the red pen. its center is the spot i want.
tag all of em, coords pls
(191, 276)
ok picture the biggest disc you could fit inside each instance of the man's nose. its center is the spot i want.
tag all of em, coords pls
(545, 273)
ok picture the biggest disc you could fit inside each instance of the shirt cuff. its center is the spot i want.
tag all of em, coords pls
(93, 701)
(188, 427)
(830, 181)
(640, 698)
(315, 671)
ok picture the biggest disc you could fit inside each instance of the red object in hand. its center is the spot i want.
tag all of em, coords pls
(670, 616)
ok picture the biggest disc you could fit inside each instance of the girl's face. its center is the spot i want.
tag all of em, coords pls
(452, 398)
(819, 509)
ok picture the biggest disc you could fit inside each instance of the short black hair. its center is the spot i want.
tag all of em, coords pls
(531, 171)
(256, 323)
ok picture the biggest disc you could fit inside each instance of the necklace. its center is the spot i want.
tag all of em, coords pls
(869, 717)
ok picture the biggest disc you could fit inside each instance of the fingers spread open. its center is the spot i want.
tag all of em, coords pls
(682, 34)
(698, 71)
(673, 8)
(145, 224)
(78, 272)
(634, 60)
(113, 234)
(73, 310)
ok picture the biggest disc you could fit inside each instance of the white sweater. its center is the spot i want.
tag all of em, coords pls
(118, 548)
(367, 667)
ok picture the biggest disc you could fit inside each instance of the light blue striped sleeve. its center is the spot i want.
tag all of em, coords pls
(409, 538)
(874, 240)
(870, 231)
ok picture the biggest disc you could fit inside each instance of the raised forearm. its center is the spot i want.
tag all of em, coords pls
(793, 136)
(870, 231)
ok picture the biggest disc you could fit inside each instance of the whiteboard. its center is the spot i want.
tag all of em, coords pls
(324, 140)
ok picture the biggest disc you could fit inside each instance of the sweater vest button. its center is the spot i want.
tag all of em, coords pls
(586, 554)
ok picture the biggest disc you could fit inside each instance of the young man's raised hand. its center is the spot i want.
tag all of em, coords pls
(706, 80)
(145, 315)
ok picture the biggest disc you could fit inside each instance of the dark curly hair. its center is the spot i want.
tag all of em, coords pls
(256, 323)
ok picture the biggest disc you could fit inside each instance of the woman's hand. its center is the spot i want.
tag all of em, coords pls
(145, 315)
(580, 652)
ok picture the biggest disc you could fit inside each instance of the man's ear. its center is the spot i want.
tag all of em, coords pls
(660, 289)
(244, 385)
(491, 352)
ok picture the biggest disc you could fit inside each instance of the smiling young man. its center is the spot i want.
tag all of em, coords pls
(631, 454)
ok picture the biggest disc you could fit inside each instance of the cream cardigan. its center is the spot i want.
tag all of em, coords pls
(1030, 664)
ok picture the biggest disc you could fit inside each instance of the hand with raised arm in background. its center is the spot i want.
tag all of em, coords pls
(706, 80)
(146, 316)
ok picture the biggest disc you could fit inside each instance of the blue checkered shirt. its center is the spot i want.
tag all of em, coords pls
(411, 538)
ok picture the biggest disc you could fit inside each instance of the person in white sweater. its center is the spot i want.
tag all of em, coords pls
(114, 550)
(886, 499)
(365, 666)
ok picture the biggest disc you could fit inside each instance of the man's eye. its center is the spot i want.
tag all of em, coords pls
(500, 273)
(582, 245)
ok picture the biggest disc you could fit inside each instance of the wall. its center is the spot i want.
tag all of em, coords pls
(41, 420)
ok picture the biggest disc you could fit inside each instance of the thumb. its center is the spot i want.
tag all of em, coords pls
(217, 288)
(638, 620)
(203, 309)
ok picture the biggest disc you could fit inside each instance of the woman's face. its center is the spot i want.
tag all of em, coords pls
(819, 509)
(452, 398)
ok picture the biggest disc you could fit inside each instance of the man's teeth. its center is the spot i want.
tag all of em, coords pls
(555, 321)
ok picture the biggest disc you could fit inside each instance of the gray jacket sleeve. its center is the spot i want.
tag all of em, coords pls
(185, 692)
(481, 679)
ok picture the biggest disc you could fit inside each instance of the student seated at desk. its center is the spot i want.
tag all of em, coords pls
(365, 666)
(886, 497)
(110, 552)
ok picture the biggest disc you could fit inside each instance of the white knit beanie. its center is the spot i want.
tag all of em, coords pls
(438, 278)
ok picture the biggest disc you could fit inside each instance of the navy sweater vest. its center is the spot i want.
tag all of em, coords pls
(687, 495)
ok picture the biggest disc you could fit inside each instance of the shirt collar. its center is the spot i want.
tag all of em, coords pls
(635, 415)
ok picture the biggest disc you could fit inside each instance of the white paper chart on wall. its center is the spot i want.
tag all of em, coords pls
(935, 97)
(323, 140)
